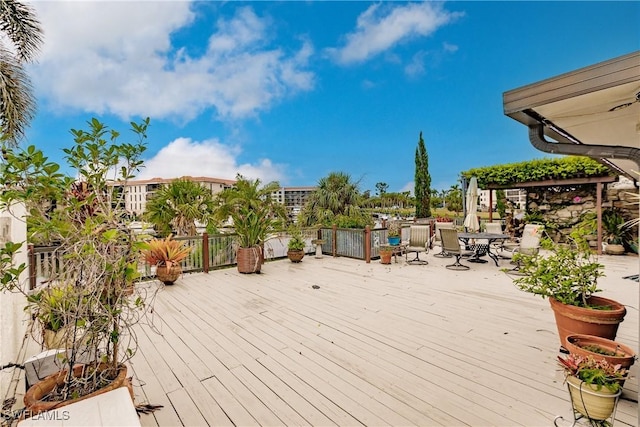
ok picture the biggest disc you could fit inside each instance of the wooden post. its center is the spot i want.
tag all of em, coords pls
(367, 244)
(599, 216)
(334, 244)
(31, 256)
(205, 252)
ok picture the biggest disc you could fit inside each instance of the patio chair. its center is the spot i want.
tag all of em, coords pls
(494, 228)
(529, 243)
(419, 240)
(436, 241)
(451, 245)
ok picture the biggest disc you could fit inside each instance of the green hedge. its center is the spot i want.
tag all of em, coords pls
(538, 170)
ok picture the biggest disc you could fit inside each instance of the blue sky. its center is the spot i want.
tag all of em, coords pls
(292, 91)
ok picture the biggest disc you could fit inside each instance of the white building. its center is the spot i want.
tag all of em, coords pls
(517, 197)
(137, 193)
(293, 198)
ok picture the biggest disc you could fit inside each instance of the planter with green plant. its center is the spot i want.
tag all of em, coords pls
(296, 245)
(166, 254)
(568, 276)
(254, 215)
(83, 214)
(393, 233)
(615, 234)
(594, 386)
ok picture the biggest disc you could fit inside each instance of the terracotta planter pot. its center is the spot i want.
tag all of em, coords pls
(249, 259)
(591, 402)
(625, 356)
(587, 321)
(168, 275)
(295, 256)
(32, 398)
(385, 257)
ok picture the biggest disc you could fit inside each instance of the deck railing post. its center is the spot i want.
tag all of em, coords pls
(32, 267)
(334, 241)
(367, 244)
(205, 252)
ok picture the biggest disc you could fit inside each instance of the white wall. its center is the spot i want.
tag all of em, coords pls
(13, 320)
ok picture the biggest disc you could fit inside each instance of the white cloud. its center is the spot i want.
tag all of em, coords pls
(416, 66)
(184, 157)
(118, 58)
(381, 27)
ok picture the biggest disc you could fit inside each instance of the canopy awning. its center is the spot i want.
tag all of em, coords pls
(597, 108)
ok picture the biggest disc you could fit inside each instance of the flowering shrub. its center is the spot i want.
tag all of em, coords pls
(599, 372)
(443, 219)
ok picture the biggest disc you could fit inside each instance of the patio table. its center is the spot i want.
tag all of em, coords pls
(480, 249)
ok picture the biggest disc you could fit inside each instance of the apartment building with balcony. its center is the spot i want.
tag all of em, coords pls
(137, 193)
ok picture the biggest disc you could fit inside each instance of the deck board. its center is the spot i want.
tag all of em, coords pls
(374, 345)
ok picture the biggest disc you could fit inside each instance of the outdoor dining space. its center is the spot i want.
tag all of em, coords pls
(338, 341)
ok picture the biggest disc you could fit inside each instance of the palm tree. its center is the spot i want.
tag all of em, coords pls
(252, 209)
(336, 200)
(177, 206)
(22, 30)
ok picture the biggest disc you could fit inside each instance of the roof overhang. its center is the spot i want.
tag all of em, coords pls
(593, 111)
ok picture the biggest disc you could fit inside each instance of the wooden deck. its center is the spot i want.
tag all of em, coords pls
(374, 345)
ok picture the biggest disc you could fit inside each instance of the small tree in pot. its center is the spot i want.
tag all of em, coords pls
(568, 277)
(254, 215)
(296, 245)
(97, 253)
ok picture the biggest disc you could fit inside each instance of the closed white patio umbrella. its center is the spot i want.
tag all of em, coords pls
(471, 220)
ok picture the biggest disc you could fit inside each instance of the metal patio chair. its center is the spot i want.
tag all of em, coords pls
(451, 244)
(419, 241)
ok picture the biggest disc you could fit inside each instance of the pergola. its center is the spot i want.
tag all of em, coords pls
(599, 181)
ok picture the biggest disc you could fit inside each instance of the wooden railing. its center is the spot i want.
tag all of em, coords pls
(220, 250)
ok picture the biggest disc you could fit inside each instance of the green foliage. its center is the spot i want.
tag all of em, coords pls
(597, 372)
(393, 229)
(454, 198)
(501, 203)
(54, 306)
(335, 201)
(296, 241)
(175, 208)
(613, 226)
(422, 181)
(538, 170)
(83, 214)
(253, 212)
(569, 275)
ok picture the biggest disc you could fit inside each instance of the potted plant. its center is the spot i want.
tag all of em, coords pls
(601, 348)
(393, 233)
(615, 232)
(254, 215)
(166, 254)
(295, 246)
(594, 385)
(568, 276)
(84, 215)
(53, 308)
(385, 251)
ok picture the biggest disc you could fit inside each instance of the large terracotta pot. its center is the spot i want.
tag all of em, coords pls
(249, 260)
(33, 397)
(295, 256)
(625, 356)
(168, 275)
(588, 321)
(589, 401)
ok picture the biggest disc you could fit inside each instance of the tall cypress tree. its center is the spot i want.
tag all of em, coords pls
(422, 181)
